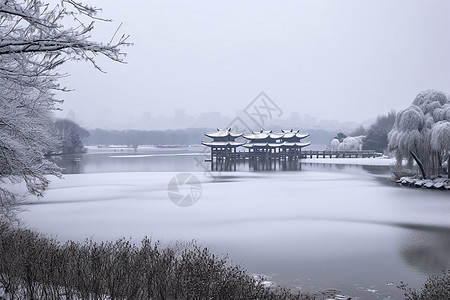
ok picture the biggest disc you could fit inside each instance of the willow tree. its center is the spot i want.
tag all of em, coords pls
(440, 140)
(423, 129)
(35, 40)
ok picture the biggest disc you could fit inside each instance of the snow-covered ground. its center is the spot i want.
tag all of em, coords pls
(312, 229)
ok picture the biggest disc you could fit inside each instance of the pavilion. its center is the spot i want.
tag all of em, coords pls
(268, 144)
(260, 144)
(223, 144)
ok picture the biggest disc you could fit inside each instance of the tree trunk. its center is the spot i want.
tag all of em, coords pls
(419, 163)
(448, 166)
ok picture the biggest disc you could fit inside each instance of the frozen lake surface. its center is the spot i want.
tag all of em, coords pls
(342, 226)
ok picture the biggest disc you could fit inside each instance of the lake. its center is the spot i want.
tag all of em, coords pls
(314, 225)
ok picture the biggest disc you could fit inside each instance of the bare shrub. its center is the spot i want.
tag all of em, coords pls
(436, 287)
(33, 266)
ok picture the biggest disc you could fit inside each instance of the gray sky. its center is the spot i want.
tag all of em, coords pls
(343, 60)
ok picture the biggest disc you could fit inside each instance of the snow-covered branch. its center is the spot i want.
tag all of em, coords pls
(35, 41)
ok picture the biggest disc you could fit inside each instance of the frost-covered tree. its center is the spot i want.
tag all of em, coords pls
(351, 143)
(340, 137)
(334, 145)
(348, 143)
(440, 140)
(36, 39)
(71, 136)
(422, 129)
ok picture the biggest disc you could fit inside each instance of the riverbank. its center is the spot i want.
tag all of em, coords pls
(437, 183)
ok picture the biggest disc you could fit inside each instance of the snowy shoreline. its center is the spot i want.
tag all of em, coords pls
(438, 183)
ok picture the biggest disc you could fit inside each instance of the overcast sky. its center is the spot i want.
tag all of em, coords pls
(343, 60)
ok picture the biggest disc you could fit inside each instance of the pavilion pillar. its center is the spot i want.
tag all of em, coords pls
(212, 158)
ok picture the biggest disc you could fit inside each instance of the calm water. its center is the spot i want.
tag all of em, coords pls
(312, 227)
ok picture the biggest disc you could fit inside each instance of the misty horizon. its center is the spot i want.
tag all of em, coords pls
(344, 61)
(180, 119)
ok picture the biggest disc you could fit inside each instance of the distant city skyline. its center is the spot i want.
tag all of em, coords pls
(336, 60)
(181, 119)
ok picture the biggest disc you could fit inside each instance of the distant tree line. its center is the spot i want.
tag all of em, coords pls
(33, 266)
(188, 136)
(132, 137)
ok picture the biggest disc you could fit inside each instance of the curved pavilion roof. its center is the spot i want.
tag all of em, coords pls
(286, 131)
(269, 135)
(223, 144)
(263, 136)
(222, 133)
(257, 139)
(289, 135)
(276, 145)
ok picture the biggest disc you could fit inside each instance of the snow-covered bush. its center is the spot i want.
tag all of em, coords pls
(334, 144)
(351, 143)
(348, 143)
(423, 128)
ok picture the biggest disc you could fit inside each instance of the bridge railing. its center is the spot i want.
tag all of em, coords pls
(299, 154)
(340, 153)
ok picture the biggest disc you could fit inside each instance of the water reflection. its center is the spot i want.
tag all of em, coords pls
(428, 252)
(256, 165)
(70, 163)
(145, 160)
(377, 170)
(189, 159)
(333, 225)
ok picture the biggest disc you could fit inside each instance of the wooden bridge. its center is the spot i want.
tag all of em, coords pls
(339, 154)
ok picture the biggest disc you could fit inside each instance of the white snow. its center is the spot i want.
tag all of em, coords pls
(112, 205)
(292, 223)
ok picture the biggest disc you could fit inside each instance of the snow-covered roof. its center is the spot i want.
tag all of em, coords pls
(291, 130)
(263, 136)
(260, 145)
(288, 135)
(223, 144)
(302, 135)
(299, 145)
(221, 133)
(275, 145)
(262, 131)
(257, 136)
(272, 135)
